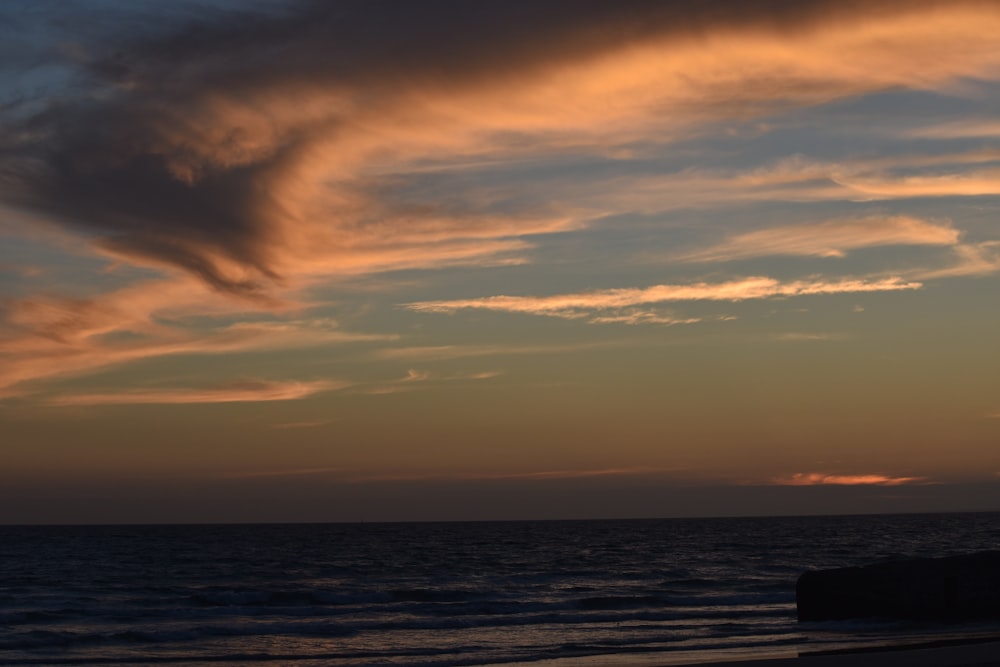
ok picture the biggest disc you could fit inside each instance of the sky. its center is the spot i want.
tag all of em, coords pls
(442, 260)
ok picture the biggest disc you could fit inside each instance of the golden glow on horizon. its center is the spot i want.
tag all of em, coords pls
(817, 478)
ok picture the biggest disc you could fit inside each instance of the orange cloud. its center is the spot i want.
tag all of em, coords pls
(246, 391)
(972, 127)
(581, 304)
(260, 171)
(816, 479)
(634, 316)
(444, 352)
(56, 337)
(246, 176)
(970, 183)
(830, 238)
(796, 179)
(969, 259)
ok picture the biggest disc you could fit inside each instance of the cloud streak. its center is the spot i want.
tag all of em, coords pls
(52, 337)
(960, 184)
(830, 238)
(447, 352)
(246, 391)
(582, 304)
(971, 127)
(415, 379)
(538, 475)
(824, 479)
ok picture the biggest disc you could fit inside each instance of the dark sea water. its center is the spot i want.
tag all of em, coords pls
(641, 592)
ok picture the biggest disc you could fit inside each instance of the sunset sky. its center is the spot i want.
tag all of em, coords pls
(394, 260)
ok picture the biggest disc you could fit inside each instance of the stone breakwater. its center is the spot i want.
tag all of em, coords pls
(950, 588)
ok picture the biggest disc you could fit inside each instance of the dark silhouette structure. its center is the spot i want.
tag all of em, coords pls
(951, 588)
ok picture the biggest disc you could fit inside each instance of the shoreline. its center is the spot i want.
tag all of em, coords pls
(969, 652)
(957, 653)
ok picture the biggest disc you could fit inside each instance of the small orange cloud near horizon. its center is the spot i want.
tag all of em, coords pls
(818, 478)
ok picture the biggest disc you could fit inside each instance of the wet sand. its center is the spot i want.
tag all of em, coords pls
(959, 653)
(978, 654)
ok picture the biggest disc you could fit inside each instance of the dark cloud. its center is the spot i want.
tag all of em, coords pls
(138, 152)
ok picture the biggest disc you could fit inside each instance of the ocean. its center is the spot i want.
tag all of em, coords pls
(651, 592)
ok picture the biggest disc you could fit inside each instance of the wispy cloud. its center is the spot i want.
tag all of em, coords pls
(830, 238)
(568, 473)
(582, 304)
(244, 391)
(801, 336)
(277, 153)
(964, 183)
(56, 337)
(414, 379)
(413, 375)
(817, 479)
(967, 259)
(969, 127)
(635, 316)
(423, 353)
(802, 179)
